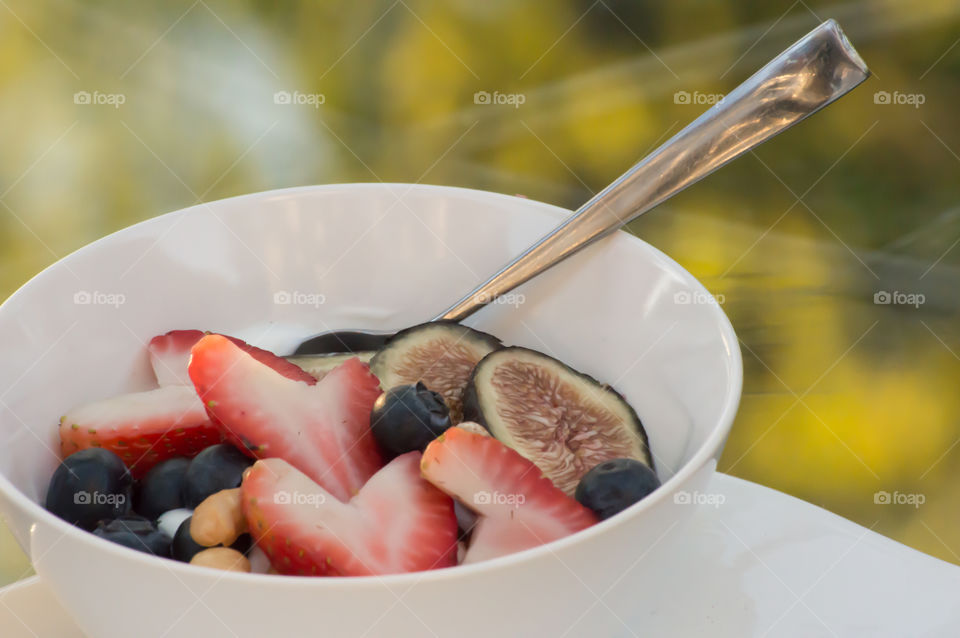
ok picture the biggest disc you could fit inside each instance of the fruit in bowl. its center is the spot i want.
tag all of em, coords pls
(337, 477)
(610, 312)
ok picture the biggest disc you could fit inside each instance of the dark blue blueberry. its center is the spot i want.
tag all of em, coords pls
(615, 485)
(160, 490)
(135, 532)
(243, 544)
(407, 418)
(89, 486)
(219, 467)
(183, 546)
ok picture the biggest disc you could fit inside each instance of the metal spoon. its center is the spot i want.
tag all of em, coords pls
(818, 69)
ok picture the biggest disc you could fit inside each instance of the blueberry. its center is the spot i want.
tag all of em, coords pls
(243, 544)
(615, 485)
(183, 547)
(135, 532)
(219, 467)
(407, 418)
(89, 486)
(160, 489)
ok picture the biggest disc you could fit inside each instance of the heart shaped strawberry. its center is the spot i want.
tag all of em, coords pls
(398, 522)
(323, 430)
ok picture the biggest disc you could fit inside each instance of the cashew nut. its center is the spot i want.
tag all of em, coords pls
(219, 519)
(222, 558)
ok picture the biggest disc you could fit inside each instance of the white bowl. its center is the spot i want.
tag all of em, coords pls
(274, 267)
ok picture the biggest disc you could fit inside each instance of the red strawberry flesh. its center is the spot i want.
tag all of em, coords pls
(143, 428)
(397, 523)
(519, 507)
(323, 430)
(170, 355)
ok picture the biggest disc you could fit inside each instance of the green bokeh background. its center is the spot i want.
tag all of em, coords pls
(843, 397)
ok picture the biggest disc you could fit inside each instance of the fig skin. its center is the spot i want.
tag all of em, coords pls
(471, 402)
(472, 410)
(493, 342)
(318, 366)
(383, 364)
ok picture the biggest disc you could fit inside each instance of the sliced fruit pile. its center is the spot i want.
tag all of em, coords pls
(514, 392)
(322, 429)
(518, 507)
(397, 522)
(243, 460)
(441, 354)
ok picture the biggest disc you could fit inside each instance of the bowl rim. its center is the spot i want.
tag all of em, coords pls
(701, 456)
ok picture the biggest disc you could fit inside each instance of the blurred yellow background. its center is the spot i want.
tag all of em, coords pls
(112, 112)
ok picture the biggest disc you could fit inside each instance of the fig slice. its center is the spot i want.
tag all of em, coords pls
(318, 365)
(564, 421)
(441, 354)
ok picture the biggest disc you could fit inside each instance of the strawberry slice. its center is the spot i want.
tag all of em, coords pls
(322, 430)
(143, 428)
(519, 508)
(170, 355)
(397, 523)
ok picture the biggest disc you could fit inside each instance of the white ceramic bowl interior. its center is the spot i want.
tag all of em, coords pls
(274, 267)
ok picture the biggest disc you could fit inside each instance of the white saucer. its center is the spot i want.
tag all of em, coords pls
(29, 610)
(760, 563)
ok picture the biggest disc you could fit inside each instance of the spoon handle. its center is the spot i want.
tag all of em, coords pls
(811, 74)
